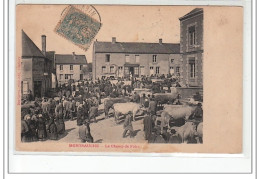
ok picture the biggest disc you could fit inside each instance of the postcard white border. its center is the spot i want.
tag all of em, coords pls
(111, 163)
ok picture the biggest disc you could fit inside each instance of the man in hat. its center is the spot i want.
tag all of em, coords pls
(198, 113)
(152, 106)
(197, 96)
(148, 125)
(80, 114)
(41, 128)
(52, 129)
(128, 125)
(25, 131)
(84, 133)
(32, 126)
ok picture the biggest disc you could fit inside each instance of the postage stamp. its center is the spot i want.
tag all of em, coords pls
(78, 27)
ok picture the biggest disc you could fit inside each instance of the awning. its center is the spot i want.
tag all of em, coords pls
(131, 65)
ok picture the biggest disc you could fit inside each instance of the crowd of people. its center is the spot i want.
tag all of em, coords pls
(44, 118)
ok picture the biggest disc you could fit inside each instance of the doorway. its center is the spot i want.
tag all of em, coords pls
(131, 71)
(37, 89)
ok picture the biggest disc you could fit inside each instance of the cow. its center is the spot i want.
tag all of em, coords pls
(199, 133)
(166, 98)
(179, 111)
(186, 132)
(125, 108)
(109, 102)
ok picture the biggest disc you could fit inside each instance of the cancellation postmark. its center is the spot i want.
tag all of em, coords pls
(79, 25)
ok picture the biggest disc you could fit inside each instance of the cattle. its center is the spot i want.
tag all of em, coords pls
(166, 98)
(142, 91)
(109, 102)
(179, 111)
(125, 108)
(186, 132)
(199, 137)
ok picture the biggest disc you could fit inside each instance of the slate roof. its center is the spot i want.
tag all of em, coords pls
(191, 13)
(70, 59)
(29, 49)
(136, 47)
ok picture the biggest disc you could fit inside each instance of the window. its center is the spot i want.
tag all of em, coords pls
(157, 70)
(127, 58)
(192, 67)
(103, 69)
(61, 67)
(178, 70)
(171, 70)
(66, 76)
(137, 58)
(107, 58)
(151, 68)
(126, 70)
(136, 71)
(81, 76)
(80, 67)
(154, 58)
(61, 76)
(71, 67)
(112, 69)
(142, 70)
(192, 35)
(25, 86)
(120, 70)
(172, 60)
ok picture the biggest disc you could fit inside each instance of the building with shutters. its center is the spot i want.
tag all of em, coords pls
(36, 68)
(124, 59)
(70, 67)
(191, 47)
(121, 59)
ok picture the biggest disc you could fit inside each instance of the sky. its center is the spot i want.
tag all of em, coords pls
(126, 23)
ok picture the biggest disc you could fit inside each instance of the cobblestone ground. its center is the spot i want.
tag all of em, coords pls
(104, 131)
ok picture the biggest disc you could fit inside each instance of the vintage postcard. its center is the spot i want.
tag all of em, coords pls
(142, 79)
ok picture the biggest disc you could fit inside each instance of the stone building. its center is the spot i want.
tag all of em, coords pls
(122, 59)
(70, 67)
(36, 68)
(191, 47)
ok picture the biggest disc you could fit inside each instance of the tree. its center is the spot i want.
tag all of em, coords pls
(87, 70)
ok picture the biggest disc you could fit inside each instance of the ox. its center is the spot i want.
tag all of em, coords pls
(124, 108)
(186, 132)
(199, 133)
(179, 111)
(109, 102)
(165, 98)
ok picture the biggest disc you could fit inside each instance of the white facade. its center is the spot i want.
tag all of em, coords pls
(65, 72)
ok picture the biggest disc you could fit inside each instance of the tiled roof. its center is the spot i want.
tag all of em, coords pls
(29, 49)
(70, 59)
(136, 47)
(191, 13)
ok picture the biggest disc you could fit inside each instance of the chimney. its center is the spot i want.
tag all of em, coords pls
(44, 44)
(74, 55)
(113, 40)
(160, 41)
